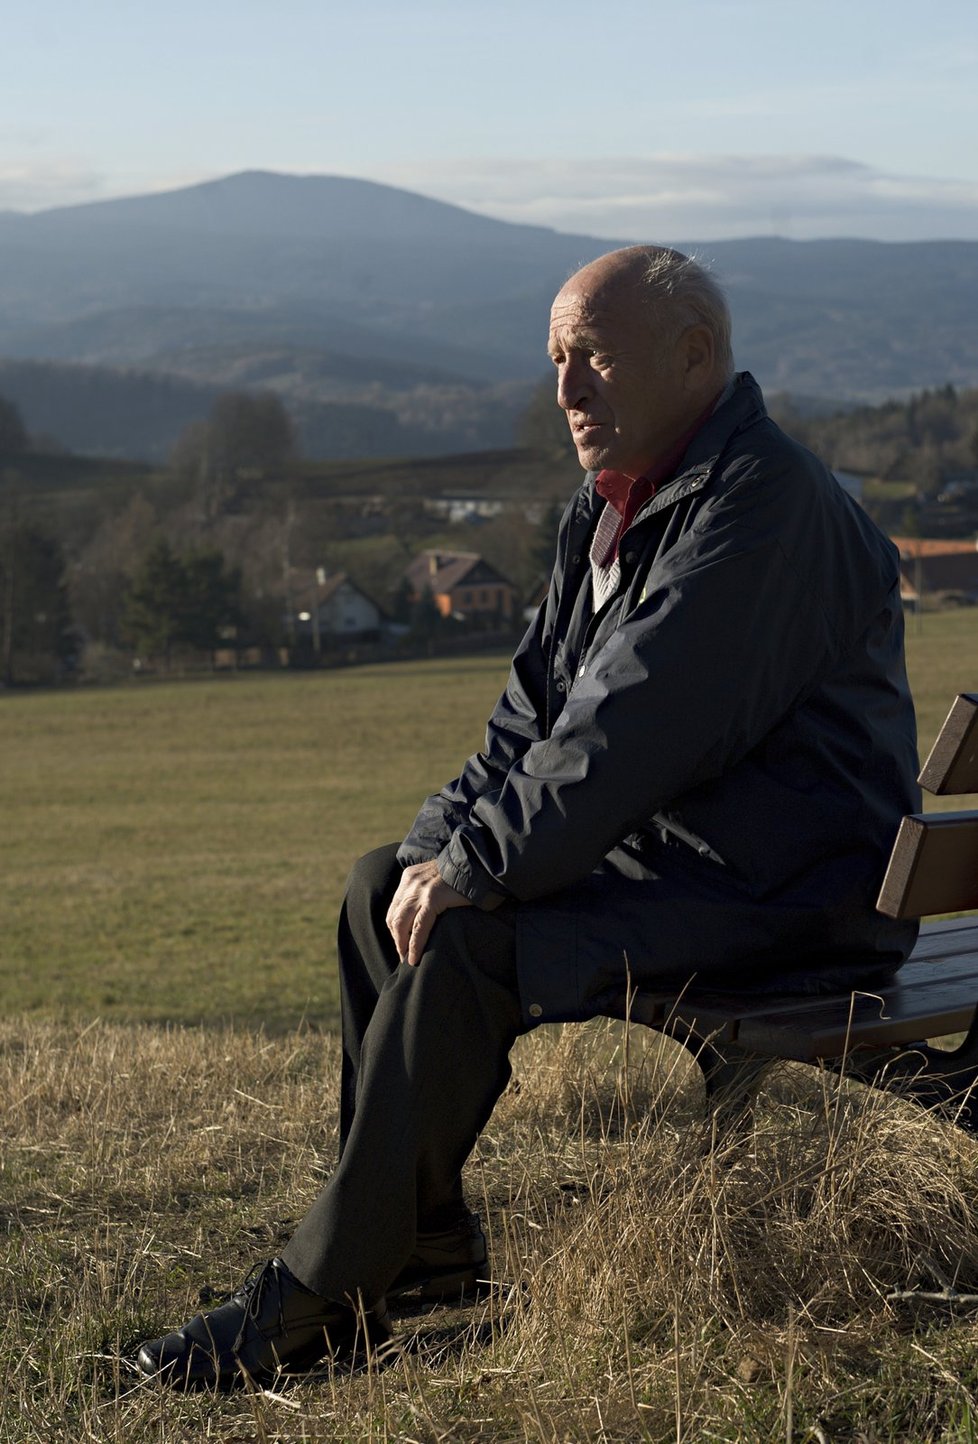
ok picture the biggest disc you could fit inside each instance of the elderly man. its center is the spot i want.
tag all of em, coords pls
(697, 768)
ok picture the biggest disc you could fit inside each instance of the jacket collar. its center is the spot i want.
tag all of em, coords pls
(743, 408)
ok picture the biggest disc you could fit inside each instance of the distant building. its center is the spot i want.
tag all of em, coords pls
(933, 566)
(334, 608)
(464, 585)
(958, 485)
(475, 508)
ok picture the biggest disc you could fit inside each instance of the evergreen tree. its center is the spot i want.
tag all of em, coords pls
(13, 433)
(426, 619)
(212, 599)
(157, 602)
(36, 634)
(182, 601)
(401, 606)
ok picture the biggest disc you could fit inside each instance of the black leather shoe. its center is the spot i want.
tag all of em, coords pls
(273, 1323)
(444, 1265)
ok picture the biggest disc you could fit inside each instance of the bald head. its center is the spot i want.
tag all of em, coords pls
(641, 341)
(672, 289)
(620, 271)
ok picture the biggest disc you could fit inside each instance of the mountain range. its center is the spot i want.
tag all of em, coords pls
(390, 322)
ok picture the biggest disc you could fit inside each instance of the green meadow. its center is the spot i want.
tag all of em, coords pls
(177, 851)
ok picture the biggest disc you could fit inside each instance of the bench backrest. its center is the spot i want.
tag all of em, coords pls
(934, 864)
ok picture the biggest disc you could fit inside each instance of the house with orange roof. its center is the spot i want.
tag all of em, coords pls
(464, 585)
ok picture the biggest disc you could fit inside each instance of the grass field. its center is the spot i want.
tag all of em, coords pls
(178, 851)
(175, 853)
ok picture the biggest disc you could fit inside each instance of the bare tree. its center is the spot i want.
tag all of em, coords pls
(246, 433)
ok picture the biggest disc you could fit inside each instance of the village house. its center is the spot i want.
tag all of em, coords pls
(938, 567)
(334, 609)
(464, 585)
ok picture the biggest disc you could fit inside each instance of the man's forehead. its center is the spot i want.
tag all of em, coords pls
(585, 315)
(572, 309)
(585, 306)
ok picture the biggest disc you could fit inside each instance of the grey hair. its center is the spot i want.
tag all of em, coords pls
(688, 286)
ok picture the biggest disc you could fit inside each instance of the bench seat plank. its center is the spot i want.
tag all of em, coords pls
(936, 992)
(943, 939)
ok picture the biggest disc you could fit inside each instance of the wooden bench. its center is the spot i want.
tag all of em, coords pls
(879, 1036)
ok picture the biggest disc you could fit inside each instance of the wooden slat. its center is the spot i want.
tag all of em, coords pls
(930, 1000)
(945, 939)
(933, 867)
(931, 997)
(953, 762)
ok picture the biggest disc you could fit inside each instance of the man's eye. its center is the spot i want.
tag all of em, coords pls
(556, 358)
(599, 358)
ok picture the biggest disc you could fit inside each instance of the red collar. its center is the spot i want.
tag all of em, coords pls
(627, 493)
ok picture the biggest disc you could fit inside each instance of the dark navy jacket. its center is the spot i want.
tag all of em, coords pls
(706, 776)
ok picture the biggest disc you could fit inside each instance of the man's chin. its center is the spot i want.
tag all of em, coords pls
(591, 454)
(594, 457)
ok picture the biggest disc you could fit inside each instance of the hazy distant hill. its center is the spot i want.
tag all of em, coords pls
(101, 411)
(399, 310)
(348, 251)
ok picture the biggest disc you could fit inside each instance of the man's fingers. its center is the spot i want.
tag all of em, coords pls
(424, 921)
(399, 922)
(405, 903)
(420, 898)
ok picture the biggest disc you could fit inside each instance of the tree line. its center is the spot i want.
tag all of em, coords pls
(142, 592)
(211, 547)
(918, 439)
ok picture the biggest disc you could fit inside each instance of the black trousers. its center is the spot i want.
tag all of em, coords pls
(425, 1056)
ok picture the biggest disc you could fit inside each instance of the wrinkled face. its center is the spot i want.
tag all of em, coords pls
(619, 376)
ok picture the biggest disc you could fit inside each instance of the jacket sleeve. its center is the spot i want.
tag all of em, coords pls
(729, 631)
(518, 721)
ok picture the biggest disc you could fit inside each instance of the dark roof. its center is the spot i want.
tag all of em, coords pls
(320, 592)
(443, 571)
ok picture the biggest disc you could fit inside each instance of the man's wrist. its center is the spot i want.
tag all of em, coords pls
(468, 879)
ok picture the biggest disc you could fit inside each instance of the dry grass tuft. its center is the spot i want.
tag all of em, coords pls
(650, 1288)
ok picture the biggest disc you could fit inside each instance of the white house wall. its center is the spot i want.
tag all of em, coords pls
(348, 611)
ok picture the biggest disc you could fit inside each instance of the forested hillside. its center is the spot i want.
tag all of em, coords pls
(138, 413)
(393, 324)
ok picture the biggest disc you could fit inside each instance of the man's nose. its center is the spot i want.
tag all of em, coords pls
(573, 384)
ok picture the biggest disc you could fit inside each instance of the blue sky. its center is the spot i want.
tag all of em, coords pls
(692, 120)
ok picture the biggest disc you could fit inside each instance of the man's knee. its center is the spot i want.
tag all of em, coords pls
(472, 940)
(377, 872)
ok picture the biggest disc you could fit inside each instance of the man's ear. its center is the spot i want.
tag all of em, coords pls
(698, 357)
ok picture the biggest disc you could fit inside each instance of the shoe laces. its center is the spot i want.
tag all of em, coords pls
(208, 1296)
(252, 1294)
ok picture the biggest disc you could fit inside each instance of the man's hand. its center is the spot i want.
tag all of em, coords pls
(422, 894)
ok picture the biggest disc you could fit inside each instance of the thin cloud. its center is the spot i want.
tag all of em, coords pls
(670, 196)
(674, 196)
(26, 187)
